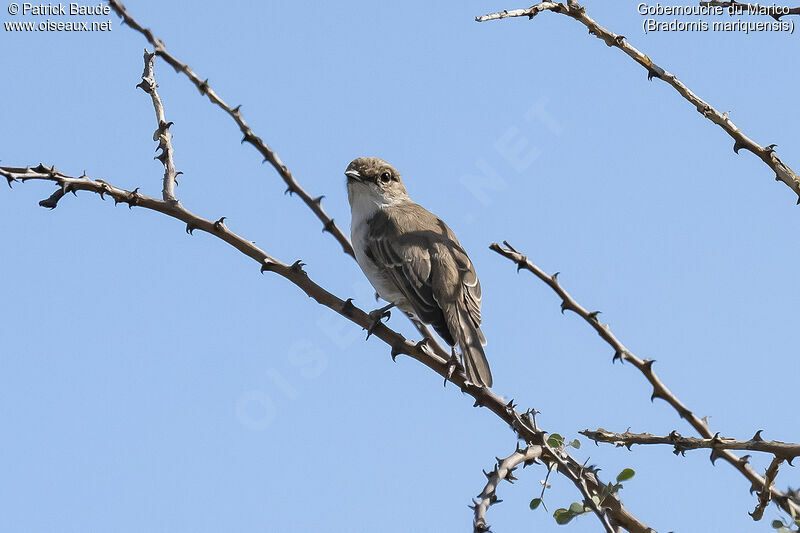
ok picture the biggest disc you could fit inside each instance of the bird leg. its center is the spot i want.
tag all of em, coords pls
(452, 364)
(376, 316)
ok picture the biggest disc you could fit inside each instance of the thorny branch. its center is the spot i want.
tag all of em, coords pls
(162, 134)
(521, 423)
(765, 493)
(574, 10)
(504, 469)
(292, 186)
(645, 366)
(755, 8)
(785, 450)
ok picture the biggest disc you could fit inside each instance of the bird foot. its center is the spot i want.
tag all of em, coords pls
(452, 364)
(376, 316)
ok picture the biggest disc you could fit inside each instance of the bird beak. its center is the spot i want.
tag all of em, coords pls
(353, 174)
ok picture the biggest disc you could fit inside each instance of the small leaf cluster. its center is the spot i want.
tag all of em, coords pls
(565, 515)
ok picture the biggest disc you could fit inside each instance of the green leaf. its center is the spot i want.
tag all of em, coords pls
(575, 444)
(563, 516)
(777, 524)
(596, 500)
(576, 508)
(536, 502)
(555, 441)
(625, 475)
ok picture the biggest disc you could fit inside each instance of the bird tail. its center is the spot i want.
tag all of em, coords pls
(471, 341)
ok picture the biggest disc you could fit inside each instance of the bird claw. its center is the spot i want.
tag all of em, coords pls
(376, 316)
(452, 364)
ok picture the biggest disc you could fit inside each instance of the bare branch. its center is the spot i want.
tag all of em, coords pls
(765, 493)
(504, 469)
(576, 11)
(520, 423)
(645, 366)
(162, 134)
(755, 9)
(785, 450)
(292, 187)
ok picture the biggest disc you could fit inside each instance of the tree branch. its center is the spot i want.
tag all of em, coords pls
(292, 186)
(162, 134)
(520, 423)
(574, 10)
(785, 450)
(645, 366)
(765, 493)
(504, 469)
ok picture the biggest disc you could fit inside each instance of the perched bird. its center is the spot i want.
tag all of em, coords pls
(415, 262)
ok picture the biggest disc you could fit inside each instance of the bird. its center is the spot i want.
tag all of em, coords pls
(415, 263)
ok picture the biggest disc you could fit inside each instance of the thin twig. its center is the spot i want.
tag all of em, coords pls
(755, 9)
(520, 423)
(162, 133)
(786, 450)
(574, 10)
(504, 469)
(765, 493)
(292, 186)
(645, 366)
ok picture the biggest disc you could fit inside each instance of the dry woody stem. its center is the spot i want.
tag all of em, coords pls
(162, 134)
(645, 366)
(503, 470)
(574, 10)
(249, 136)
(521, 423)
(785, 450)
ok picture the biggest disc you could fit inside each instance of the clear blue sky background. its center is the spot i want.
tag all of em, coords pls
(153, 381)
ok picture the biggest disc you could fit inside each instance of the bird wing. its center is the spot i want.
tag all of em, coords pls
(405, 258)
(414, 247)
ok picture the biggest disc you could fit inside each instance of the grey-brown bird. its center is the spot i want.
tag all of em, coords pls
(415, 262)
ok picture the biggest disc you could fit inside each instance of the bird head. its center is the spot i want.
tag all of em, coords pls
(373, 179)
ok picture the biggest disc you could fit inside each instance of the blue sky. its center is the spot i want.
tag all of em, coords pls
(153, 381)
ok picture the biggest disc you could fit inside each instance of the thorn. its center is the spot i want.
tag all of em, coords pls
(348, 308)
(565, 306)
(655, 395)
(648, 364)
(554, 277)
(654, 72)
(133, 198)
(618, 355)
(218, 225)
(297, 267)
(771, 148)
(593, 315)
(738, 146)
(395, 353)
(203, 87)
(267, 265)
(318, 199)
(510, 405)
(757, 436)
(237, 109)
(328, 226)
(190, 228)
(744, 459)
(715, 454)
(289, 190)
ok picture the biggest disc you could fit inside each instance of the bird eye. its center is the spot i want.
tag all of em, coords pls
(386, 177)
